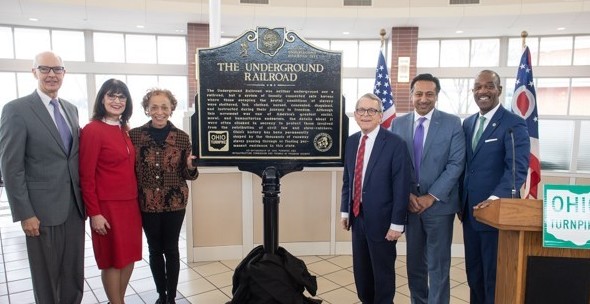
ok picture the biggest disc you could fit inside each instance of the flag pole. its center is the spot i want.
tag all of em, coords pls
(523, 35)
(382, 32)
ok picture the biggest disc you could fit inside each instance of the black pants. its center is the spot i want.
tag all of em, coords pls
(162, 231)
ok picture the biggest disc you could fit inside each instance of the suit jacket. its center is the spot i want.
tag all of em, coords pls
(488, 169)
(443, 158)
(386, 185)
(41, 179)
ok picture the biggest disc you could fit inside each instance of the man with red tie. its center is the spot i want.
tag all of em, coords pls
(375, 191)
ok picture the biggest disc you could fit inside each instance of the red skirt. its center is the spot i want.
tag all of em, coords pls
(122, 243)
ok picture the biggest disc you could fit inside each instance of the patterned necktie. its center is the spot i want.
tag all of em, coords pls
(418, 147)
(62, 126)
(358, 178)
(477, 136)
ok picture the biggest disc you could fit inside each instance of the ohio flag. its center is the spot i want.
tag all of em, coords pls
(383, 90)
(524, 104)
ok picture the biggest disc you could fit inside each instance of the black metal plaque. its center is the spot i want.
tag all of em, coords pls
(269, 98)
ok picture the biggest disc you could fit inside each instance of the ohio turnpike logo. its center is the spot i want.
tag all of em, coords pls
(566, 216)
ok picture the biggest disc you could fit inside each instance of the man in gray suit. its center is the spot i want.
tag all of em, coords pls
(39, 160)
(436, 145)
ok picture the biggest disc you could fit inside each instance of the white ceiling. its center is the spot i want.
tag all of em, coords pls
(311, 19)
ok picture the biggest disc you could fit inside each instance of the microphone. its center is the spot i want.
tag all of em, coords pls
(513, 163)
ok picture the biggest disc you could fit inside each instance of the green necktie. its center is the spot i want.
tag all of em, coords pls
(477, 136)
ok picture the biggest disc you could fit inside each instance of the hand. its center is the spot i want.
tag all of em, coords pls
(413, 206)
(99, 224)
(483, 204)
(344, 223)
(393, 235)
(425, 201)
(189, 162)
(31, 226)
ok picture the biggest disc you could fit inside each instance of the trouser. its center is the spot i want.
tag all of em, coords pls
(162, 230)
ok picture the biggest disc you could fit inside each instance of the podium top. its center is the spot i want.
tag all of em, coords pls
(512, 214)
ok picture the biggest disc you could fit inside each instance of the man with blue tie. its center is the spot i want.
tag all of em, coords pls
(497, 160)
(375, 191)
(39, 159)
(436, 143)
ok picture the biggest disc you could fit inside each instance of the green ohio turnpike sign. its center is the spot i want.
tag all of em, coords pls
(566, 216)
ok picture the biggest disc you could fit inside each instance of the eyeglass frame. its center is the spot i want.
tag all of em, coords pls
(362, 111)
(113, 97)
(43, 69)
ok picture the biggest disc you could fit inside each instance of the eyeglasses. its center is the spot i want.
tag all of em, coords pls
(370, 112)
(113, 97)
(46, 69)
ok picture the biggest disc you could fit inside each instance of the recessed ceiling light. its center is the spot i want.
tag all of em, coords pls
(459, 32)
(33, 19)
(345, 33)
(561, 28)
(139, 26)
(180, 31)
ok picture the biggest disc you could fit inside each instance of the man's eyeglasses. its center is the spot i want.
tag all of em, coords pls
(113, 97)
(46, 69)
(370, 112)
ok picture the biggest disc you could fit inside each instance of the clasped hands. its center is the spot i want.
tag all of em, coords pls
(419, 204)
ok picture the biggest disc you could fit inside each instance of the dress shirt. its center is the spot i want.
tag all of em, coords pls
(369, 143)
(46, 101)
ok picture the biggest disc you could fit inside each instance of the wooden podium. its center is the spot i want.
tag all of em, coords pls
(520, 223)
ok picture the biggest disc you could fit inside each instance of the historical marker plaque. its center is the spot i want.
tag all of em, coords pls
(269, 97)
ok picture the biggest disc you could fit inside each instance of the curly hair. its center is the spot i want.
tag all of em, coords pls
(145, 103)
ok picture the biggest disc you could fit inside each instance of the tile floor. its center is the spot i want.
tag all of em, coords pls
(203, 282)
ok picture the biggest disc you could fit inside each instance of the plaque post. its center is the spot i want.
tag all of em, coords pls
(271, 188)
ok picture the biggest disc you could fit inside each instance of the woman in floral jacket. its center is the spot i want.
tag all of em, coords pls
(163, 165)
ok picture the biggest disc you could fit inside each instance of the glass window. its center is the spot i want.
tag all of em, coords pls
(8, 82)
(74, 90)
(552, 96)
(556, 51)
(138, 86)
(556, 138)
(582, 50)
(6, 49)
(99, 79)
(428, 52)
(584, 151)
(140, 48)
(579, 97)
(323, 44)
(109, 47)
(455, 96)
(350, 92)
(30, 42)
(369, 53)
(178, 86)
(171, 50)
(69, 45)
(454, 53)
(485, 52)
(25, 83)
(366, 85)
(515, 50)
(350, 52)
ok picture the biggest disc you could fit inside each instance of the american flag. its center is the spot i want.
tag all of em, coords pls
(524, 104)
(383, 90)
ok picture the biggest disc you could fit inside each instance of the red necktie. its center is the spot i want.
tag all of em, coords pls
(358, 177)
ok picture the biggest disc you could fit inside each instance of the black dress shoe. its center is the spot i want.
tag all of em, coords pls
(161, 300)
